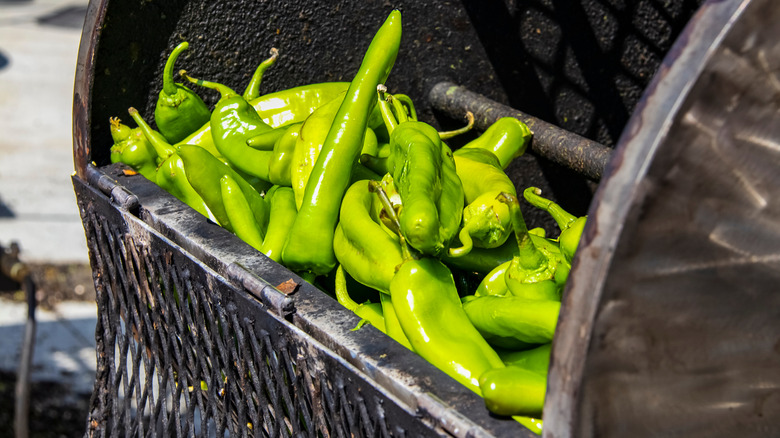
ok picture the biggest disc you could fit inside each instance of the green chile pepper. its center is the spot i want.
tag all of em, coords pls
(204, 172)
(284, 141)
(426, 301)
(366, 251)
(371, 312)
(536, 272)
(504, 319)
(392, 324)
(507, 138)
(240, 214)
(570, 225)
(282, 216)
(132, 148)
(233, 122)
(494, 283)
(170, 173)
(486, 221)
(513, 390)
(310, 245)
(179, 111)
(424, 173)
(535, 359)
(278, 109)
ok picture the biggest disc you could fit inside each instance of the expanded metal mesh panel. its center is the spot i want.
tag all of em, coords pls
(181, 352)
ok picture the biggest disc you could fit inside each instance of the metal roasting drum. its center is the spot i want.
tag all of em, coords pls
(660, 120)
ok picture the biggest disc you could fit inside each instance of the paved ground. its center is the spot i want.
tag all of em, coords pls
(39, 42)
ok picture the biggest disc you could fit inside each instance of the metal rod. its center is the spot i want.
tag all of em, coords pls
(566, 148)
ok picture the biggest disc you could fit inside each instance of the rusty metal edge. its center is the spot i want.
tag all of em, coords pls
(613, 200)
(82, 87)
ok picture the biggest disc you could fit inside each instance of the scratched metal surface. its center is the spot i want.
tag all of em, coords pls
(671, 326)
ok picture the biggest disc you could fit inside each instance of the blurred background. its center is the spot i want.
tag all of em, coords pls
(40, 227)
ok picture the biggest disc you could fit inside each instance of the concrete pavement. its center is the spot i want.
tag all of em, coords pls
(39, 42)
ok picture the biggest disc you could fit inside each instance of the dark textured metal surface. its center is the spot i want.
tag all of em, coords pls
(671, 324)
(560, 146)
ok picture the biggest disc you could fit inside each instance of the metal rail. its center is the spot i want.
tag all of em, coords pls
(566, 148)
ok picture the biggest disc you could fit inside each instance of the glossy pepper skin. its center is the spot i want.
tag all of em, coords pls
(507, 138)
(310, 245)
(371, 312)
(282, 143)
(205, 171)
(240, 214)
(502, 320)
(179, 111)
(486, 221)
(571, 226)
(279, 108)
(281, 217)
(494, 282)
(170, 172)
(233, 122)
(132, 148)
(536, 272)
(513, 391)
(426, 301)
(362, 246)
(312, 136)
(423, 172)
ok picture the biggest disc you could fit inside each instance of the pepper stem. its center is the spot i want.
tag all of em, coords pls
(342, 295)
(253, 89)
(529, 256)
(408, 104)
(158, 142)
(223, 90)
(563, 218)
(384, 108)
(467, 243)
(169, 87)
(444, 135)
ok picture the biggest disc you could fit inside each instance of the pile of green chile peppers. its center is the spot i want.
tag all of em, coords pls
(342, 184)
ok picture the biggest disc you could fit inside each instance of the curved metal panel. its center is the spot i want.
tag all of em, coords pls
(671, 325)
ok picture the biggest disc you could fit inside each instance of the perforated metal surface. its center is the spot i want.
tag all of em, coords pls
(181, 352)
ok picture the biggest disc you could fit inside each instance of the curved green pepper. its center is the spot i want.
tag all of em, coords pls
(513, 390)
(367, 252)
(284, 142)
(486, 221)
(424, 173)
(240, 214)
(426, 301)
(371, 312)
(282, 216)
(132, 148)
(233, 122)
(310, 245)
(279, 108)
(536, 272)
(179, 111)
(507, 138)
(504, 320)
(205, 171)
(170, 173)
(571, 226)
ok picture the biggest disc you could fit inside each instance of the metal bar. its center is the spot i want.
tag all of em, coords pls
(566, 148)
